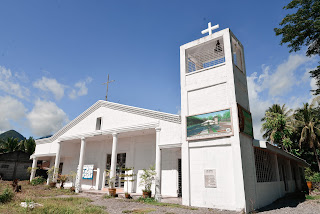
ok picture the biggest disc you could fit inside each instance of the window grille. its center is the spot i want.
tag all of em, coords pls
(205, 55)
(264, 166)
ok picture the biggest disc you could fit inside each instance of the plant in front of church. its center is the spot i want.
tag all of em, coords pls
(72, 177)
(147, 178)
(37, 180)
(127, 177)
(110, 181)
(51, 176)
(62, 179)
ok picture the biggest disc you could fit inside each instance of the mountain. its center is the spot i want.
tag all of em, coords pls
(11, 133)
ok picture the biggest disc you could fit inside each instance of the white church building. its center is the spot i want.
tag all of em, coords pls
(207, 155)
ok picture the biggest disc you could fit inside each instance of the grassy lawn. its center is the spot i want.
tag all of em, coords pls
(46, 196)
(151, 201)
(313, 197)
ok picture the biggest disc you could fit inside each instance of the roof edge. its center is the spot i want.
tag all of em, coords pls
(115, 106)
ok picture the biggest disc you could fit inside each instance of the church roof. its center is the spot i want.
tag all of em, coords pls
(115, 106)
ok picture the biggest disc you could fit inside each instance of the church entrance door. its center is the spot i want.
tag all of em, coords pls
(121, 163)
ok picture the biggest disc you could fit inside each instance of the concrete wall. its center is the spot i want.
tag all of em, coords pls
(14, 165)
(268, 192)
(220, 159)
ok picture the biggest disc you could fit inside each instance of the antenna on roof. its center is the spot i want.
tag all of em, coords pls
(107, 86)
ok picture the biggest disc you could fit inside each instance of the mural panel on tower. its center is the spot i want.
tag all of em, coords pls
(209, 125)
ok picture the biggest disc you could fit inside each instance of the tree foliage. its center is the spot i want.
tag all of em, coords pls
(298, 133)
(277, 126)
(13, 144)
(308, 125)
(279, 129)
(302, 28)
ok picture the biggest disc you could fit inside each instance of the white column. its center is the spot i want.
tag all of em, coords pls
(80, 166)
(97, 178)
(33, 169)
(51, 165)
(158, 166)
(56, 163)
(114, 156)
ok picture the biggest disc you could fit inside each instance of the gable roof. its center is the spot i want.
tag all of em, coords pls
(115, 106)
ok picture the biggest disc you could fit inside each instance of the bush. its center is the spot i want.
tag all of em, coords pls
(6, 195)
(311, 176)
(146, 200)
(37, 181)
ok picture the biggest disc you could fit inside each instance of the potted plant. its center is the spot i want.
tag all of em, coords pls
(147, 177)
(110, 181)
(309, 177)
(72, 177)
(62, 179)
(127, 178)
(51, 176)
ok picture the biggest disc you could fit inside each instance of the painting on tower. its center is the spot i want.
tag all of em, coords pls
(209, 125)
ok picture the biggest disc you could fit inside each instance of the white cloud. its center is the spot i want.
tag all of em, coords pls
(11, 110)
(80, 88)
(9, 84)
(274, 86)
(282, 80)
(258, 106)
(46, 118)
(50, 85)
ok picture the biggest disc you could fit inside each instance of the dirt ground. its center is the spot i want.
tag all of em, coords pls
(290, 204)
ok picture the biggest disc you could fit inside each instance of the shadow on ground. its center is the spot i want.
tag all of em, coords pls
(289, 200)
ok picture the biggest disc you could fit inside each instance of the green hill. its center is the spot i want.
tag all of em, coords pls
(11, 133)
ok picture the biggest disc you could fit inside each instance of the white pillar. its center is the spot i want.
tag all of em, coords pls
(114, 156)
(56, 163)
(80, 166)
(33, 169)
(51, 165)
(158, 166)
(97, 178)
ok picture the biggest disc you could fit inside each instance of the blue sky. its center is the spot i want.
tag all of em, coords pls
(55, 55)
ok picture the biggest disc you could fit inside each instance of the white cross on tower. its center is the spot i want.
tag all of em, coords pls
(210, 29)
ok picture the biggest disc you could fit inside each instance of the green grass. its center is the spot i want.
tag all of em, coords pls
(139, 211)
(313, 197)
(152, 201)
(46, 196)
(55, 205)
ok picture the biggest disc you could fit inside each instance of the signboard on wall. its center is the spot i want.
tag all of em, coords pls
(210, 180)
(245, 121)
(209, 125)
(87, 172)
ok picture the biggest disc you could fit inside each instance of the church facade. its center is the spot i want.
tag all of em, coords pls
(206, 155)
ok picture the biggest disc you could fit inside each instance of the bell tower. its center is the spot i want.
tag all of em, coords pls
(217, 155)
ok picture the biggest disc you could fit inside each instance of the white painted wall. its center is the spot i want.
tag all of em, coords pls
(268, 192)
(220, 159)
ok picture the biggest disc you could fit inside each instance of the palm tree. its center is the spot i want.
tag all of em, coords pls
(277, 126)
(308, 124)
(29, 145)
(10, 145)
